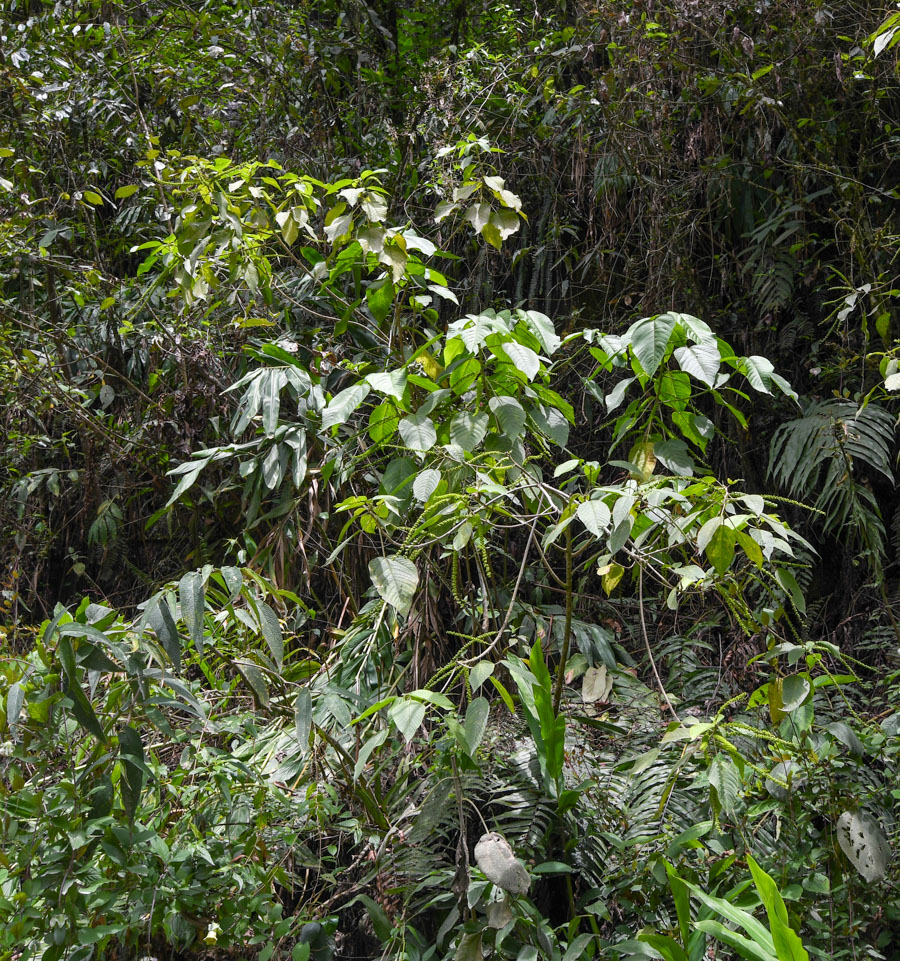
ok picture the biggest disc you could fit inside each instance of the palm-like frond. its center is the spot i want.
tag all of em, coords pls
(820, 453)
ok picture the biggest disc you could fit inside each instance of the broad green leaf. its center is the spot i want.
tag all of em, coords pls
(426, 484)
(668, 948)
(159, 616)
(255, 679)
(725, 778)
(479, 673)
(595, 516)
(383, 422)
(649, 340)
(542, 328)
(510, 415)
(468, 430)
(720, 549)
(475, 723)
(392, 383)
(745, 947)
(700, 360)
(81, 706)
(123, 193)
(380, 300)
(407, 715)
(523, 358)
(342, 405)
(15, 701)
(396, 579)
(93, 198)
(418, 432)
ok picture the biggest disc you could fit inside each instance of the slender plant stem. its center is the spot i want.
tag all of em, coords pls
(567, 629)
(662, 690)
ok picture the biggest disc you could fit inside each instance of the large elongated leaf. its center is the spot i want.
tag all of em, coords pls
(862, 840)
(418, 432)
(271, 631)
(342, 405)
(649, 340)
(190, 593)
(396, 579)
(468, 430)
(131, 753)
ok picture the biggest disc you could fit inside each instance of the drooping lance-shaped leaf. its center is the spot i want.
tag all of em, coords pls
(131, 754)
(160, 619)
(396, 579)
(81, 706)
(190, 592)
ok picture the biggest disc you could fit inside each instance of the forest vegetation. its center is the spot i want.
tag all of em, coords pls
(448, 480)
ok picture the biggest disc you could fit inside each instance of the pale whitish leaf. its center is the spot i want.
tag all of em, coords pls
(342, 405)
(396, 579)
(499, 865)
(595, 516)
(794, 691)
(338, 226)
(892, 382)
(523, 358)
(478, 216)
(474, 329)
(444, 209)
(418, 432)
(392, 383)
(475, 723)
(188, 477)
(700, 360)
(468, 430)
(506, 222)
(649, 339)
(510, 415)
(862, 840)
(190, 593)
(542, 328)
(426, 484)
(271, 631)
(479, 674)
(596, 684)
(615, 397)
(303, 718)
(408, 716)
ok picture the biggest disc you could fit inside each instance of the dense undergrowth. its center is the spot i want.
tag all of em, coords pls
(448, 491)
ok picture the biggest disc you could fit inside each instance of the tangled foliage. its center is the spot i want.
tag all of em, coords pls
(394, 563)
